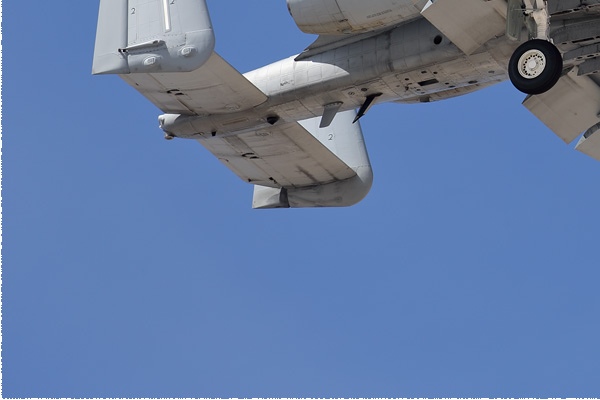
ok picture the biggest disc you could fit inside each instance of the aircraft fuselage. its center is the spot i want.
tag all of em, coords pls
(411, 63)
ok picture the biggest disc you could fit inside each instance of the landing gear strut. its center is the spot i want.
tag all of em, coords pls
(536, 65)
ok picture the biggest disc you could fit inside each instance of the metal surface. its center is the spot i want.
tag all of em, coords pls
(288, 127)
(569, 108)
(467, 23)
(142, 36)
(342, 138)
(532, 64)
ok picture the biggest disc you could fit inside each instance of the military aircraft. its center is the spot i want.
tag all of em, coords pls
(292, 128)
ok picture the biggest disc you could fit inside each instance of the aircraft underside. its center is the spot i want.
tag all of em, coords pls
(409, 64)
(281, 127)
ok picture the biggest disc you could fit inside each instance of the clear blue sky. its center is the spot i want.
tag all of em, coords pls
(133, 266)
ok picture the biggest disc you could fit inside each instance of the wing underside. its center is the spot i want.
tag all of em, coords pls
(215, 88)
(282, 155)
(571, 107)
(285, 155)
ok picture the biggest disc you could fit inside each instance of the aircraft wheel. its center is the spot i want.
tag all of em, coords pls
(535, 66)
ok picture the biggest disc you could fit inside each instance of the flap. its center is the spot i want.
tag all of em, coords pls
(570, 107)
(214, 88)
(285, 155)
(467, 23)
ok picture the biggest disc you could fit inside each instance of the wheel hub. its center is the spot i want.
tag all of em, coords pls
(531, 64)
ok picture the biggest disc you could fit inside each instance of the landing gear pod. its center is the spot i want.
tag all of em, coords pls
(535, 66)
(343, 138)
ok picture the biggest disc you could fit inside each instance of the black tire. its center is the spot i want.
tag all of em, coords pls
(544, 69)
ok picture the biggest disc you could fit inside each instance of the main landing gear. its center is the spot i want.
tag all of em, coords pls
(536, 65)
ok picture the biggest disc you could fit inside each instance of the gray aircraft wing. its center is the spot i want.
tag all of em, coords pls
(168, 56)
(467, 23)
(286, 155)
(571, 107)
(214, 88)
(282, 155)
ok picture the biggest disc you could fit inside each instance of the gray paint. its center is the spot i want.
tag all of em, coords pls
(138, 36)
(272, 126)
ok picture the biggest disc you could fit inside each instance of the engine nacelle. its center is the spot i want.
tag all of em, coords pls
(335, 17)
